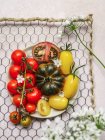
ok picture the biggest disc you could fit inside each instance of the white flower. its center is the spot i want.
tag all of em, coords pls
(48, 122)
(20, 78)
(74, 18)
(81, 17)
(66, 22)
(44, 98)
(44, 138)
(82, 127)
(61, 94)
(57, 62)
(57, 120)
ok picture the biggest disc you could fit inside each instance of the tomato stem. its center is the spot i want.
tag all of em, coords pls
(23, 91)
(89, 50)
(77, 69)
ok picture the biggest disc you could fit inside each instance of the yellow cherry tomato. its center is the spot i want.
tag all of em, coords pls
(66, 61)
(58, 102)
(71, 86)
(43, 107)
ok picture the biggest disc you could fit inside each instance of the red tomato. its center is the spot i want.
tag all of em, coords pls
(32, 65)
(15, 117)
(14, 70)
(13, 87)
(34, 95)
(17, 56)
(30, 80)
(45, 51)
(17, 99)
(30, 108)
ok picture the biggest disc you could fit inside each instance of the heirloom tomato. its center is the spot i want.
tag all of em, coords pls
(43, 107)
(66, 60)
(25, 121)
(58, 102)
(45, 51)
(49, 79)
(71, 86)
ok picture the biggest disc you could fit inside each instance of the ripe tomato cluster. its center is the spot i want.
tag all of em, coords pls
(24, 68)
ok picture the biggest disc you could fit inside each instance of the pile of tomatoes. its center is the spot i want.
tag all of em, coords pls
(20, 63)
(30, 78)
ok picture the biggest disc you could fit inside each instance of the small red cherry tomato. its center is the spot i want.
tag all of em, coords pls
(13, 87)
(30, 80)
(17, 56)
(32, 65)
(34, 95)
(30, 108)
(14, 70)
(17, 100)
(15, 117)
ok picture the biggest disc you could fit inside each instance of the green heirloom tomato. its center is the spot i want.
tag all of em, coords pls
(49, 79)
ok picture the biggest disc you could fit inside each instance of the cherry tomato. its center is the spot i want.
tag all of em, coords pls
(15, 117)
(45, 51)
(32, 65)
(17, 56)
(30, 108)
(25, 121)
(14, 70)
(17, 99)
(34, 95)
(13, 87)
(30, 80)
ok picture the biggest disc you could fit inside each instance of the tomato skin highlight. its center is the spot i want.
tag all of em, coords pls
(71, 86)
(17, 56)
(66, 61)
(34, 95)
(15, 117)
(57, 102)
(31, 108)
(30, 80)
(17, 99)
(14, 70)
(32, 65)
(12, 87)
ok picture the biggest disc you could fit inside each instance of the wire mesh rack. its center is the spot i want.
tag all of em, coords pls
(20, 34)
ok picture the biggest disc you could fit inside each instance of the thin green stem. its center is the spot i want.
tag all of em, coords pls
(78, 68)
(89, 49)
(23, 91)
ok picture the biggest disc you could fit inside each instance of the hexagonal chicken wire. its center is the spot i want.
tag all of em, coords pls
(21, 35)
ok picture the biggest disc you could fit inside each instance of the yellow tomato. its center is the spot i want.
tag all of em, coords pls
(58, 102)
(43, 107)
(66, 61)
(71, 86)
